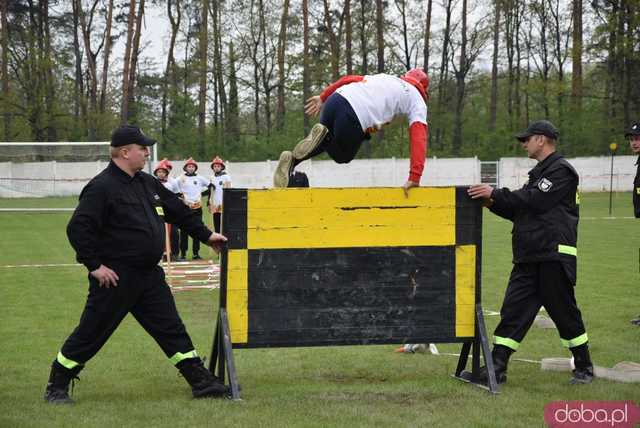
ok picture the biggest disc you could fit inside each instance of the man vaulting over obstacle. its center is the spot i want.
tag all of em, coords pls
(353, 108)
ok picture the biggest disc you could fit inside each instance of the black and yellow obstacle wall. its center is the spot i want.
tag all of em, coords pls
(308, 267)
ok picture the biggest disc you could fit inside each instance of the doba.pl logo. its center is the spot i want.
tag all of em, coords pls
(617, 414)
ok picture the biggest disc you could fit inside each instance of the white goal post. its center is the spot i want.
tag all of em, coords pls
(41, 169)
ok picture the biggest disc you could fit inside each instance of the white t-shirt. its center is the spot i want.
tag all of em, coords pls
(172, 185)
(377, 99)
(192, 187)
(218, 182)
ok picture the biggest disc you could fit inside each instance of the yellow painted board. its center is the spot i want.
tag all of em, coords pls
(353, 197)
(465, 290)
(238, 295)
(337, 218)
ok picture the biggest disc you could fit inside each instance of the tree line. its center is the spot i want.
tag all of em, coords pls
(233, 74)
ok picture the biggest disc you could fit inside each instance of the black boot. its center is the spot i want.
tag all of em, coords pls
(203, 382)
(583, 373)
(500, 355)
(57, 391)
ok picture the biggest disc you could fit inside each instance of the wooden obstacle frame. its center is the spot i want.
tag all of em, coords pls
(350, 266)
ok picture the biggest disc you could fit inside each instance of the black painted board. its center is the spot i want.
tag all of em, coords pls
(351, 294)
(468, 218)
(234, 217)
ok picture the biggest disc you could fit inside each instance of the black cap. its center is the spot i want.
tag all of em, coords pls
(539, 127)
(129, 134)
(634, 129)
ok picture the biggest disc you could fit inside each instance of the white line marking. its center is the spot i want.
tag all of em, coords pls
(606, 218)
(213, 268)
(45, 210)
(43, 265)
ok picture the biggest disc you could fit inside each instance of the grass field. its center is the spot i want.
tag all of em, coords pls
(130, 382)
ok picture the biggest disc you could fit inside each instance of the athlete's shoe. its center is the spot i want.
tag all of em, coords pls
(283, 170)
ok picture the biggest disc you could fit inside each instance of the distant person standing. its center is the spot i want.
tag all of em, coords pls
(191, 186)
(545, 215)
(633, 135)
(220, 180)
(161, 172)
(298, 179)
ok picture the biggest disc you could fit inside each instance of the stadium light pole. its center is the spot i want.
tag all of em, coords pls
(613, 147)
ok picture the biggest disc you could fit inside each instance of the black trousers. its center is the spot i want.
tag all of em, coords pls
(174, 239)
(141, 292)
(345, 134)
(184, 239)
(531, 286)
(217, 217)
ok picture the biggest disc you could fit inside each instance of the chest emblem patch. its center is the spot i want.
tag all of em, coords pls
(544, 185)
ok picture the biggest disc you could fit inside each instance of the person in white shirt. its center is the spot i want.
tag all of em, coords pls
(353, 108)
(191, 186)
(161, 172)
(219, 180)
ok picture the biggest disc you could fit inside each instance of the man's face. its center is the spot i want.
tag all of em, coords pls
(136, 156)
(161, 173)
(634, 142)
(191, 168)
(533, 146)
(217, 167)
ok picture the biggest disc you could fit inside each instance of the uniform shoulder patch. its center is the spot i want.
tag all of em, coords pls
(544, 184)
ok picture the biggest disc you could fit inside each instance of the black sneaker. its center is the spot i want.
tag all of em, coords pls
(483, 375)
(582, 376)
(196, 257)
(203, 383)
(55, 395)
(57, 390)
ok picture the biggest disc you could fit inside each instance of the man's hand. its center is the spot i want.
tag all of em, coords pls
(105, 276)
(313, 105)
(481, 191)
(408, 185)
(216, 240)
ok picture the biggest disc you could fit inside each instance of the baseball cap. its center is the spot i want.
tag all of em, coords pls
(539, 127)
(634, 129)
(129, 134)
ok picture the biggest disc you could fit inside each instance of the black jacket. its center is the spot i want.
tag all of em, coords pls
(119, 220)
(636, 191)
(544, 214)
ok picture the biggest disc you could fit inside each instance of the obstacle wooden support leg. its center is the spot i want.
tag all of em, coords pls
(479, 343)
(222, 355)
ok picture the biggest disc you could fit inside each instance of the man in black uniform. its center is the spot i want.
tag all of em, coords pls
(633, 134)
(118, 232)
(545, 233)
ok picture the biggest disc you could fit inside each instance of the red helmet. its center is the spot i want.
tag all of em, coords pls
(167, 163)
(418, 78)
(163, 164)
(217, 161)
(190, 161)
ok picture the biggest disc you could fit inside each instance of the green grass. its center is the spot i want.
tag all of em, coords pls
(130, 382)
